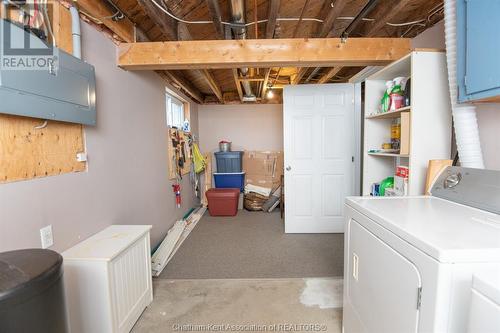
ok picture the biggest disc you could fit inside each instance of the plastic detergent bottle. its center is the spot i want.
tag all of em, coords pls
(386, 99)
(396, 133)
(396, 97)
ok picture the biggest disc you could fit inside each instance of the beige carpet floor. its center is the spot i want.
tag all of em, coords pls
(234, 305)
(254, 245)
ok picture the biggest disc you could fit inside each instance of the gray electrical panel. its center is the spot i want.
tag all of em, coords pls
(64, 91)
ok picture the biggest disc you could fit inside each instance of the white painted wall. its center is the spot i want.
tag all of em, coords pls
(126, 182)
(247, 126)
(488, 115)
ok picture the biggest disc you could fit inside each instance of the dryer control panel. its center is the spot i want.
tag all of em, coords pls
(477, 188)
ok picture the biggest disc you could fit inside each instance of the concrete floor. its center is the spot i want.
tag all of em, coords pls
(255, 305)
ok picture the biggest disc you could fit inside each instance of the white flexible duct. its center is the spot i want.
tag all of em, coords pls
(75, 31)
(464, 116)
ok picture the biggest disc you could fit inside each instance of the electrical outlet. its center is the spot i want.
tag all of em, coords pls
(46, 237)
(81, 157)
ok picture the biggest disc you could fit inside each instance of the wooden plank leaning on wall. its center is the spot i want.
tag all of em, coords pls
(26, 152)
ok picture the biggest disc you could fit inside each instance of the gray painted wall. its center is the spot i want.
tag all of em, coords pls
(127, 180)
(488, 115)
(247, 126)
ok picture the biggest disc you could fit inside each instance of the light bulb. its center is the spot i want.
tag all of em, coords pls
(270, 94)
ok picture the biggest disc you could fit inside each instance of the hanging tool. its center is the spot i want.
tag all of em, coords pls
(177, 190)
(176, 158)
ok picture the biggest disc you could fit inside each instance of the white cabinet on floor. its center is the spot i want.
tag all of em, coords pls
(108, 279)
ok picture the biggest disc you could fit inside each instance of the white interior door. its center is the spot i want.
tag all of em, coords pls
(319, 150)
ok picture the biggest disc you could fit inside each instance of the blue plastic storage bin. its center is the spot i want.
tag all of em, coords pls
(230, 180)
(229, 162)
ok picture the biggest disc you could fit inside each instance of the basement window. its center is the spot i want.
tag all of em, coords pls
(177, 112)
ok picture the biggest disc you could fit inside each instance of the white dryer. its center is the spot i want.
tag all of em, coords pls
(484, 315)
(409, 261)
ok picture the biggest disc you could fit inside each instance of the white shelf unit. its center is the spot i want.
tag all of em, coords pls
(430, 119)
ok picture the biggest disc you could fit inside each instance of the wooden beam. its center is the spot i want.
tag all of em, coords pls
(176, 80)
(328, 75)
(255, 78)
(263, 53)
(296, 30)
(388, 16)
(179, 31)
(237, 83)
(167, 24)
(332, 13)
(264, 84)
(213, 84)
(272, 16)
(214, 9)
(300, 75)
(61, 27)
(124, 28)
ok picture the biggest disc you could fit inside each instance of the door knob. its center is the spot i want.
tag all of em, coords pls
(288, 168)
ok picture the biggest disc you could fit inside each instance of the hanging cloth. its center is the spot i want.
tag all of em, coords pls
(199, 161)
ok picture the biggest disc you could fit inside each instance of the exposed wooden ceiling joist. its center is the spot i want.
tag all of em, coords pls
(333, 11)
(387, 17)
(124, 28)
(300, 75)
(215, 14)
(177, 30)
(301, 17)
(237, 82)
(264, 83)
(167, 24)
(312, 74)
(272, 16)
(213, 84)
(261, 53)
(256, 78)
(176, 80)
(328, 75)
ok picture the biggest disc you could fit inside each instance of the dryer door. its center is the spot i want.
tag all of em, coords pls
(383, 286)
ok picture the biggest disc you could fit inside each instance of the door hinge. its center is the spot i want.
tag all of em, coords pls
(465, 80)
(419, 298)
(352, 158)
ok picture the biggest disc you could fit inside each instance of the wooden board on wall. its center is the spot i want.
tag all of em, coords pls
(26, 152)
(171, 155)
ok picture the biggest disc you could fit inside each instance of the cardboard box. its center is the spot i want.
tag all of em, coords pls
(267, 182)
(400, 185)
(404, 144)
(267, 164)
(263, 168)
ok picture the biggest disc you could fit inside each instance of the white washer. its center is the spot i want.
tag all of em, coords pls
(409, 261)
(484, 313)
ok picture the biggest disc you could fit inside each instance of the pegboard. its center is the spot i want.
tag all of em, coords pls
(183, 140)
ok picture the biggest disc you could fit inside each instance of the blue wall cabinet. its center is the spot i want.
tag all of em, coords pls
(478, 50)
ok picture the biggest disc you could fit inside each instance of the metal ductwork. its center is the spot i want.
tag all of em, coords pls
(237, 8)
